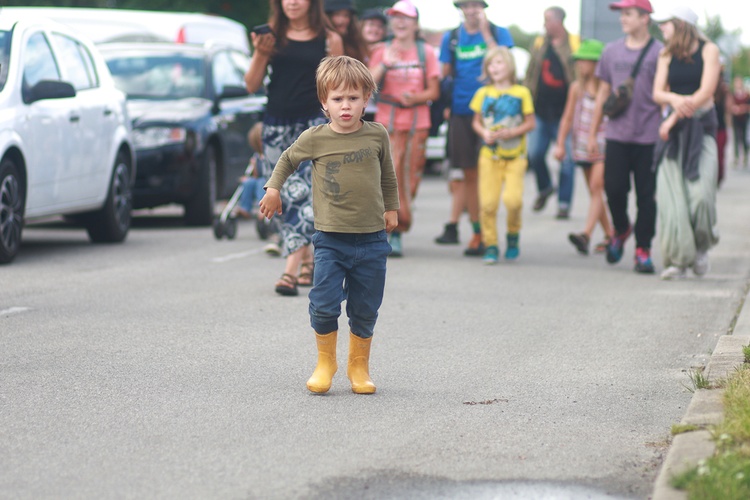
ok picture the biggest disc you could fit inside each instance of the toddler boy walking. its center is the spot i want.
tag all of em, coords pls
(355, 202)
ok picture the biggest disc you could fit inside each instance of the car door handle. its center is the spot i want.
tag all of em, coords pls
(107, 111)
(74, 118)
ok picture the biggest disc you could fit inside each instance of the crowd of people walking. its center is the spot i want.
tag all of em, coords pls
(639, 111)
(499, 128)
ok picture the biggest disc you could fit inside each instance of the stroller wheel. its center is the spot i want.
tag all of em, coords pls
(218, 228)
(263, 227)
(230, 229)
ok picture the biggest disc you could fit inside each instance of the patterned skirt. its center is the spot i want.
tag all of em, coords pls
(297, 226)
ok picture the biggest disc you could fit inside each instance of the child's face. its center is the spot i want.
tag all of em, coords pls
(585, 68)
(667, 30)
(345, 106)
(341, 20)
(373, 30)
(497, 70)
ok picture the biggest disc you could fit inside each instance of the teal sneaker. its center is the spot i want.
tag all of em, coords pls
(491, 255)
(512, 252)
(395, 241)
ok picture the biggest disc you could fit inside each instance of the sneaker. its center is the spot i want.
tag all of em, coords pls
(580, 241)
(272, 249)
(512, 252)
(673, 273)
(476, 247)
(491, 255)
(395, 241)
(449, 236)
(616, 244)
(701, 264)
(541, 199)
(643, 262)
(563, 214)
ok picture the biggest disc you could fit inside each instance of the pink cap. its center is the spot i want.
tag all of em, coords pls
(403, 7)
(638, 4)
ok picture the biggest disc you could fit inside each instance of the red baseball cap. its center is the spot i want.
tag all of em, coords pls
(638, 4)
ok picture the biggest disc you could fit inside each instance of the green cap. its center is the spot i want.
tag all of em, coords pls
(590, 50)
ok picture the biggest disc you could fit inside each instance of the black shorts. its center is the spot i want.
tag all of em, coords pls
(463, 142)
(585, 164)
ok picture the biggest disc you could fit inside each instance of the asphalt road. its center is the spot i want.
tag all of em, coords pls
(167, 367)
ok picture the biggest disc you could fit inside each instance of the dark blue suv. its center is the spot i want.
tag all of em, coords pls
(191, 114)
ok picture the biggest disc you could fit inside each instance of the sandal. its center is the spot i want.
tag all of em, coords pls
(601, 247)
(287, 285)
(305, 277)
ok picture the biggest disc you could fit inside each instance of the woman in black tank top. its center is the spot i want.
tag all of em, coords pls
(301, 37)
(687, 155)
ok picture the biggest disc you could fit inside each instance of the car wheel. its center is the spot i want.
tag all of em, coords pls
(199, 210)
(112, 222)
(11, 211)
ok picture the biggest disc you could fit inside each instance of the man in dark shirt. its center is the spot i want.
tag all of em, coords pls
(548, 76)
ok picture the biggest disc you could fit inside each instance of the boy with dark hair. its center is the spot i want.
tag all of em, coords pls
(631, 136)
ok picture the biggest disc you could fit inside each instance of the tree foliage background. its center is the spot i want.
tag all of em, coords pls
(252, 12)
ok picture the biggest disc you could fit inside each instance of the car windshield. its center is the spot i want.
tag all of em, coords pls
(4, 56)
(158, 76)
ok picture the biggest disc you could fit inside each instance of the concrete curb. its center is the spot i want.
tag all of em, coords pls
(705, 410)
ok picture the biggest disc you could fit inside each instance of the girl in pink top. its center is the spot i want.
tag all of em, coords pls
(576, 119)
(408, 72)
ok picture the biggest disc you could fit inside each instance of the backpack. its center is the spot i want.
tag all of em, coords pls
(421, 65)
(438, 107)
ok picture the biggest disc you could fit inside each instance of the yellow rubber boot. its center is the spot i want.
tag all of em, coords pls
(358, 367)
(321, 378)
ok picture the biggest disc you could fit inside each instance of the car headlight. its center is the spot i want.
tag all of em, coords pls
(154, 137)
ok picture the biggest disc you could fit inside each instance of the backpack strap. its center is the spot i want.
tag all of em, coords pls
(422, 61)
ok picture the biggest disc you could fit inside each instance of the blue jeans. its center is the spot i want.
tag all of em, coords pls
(348, 267)
(539, 142)
(252, 192)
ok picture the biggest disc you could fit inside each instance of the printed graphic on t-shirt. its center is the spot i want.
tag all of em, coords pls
(332, 186)
(502, 112)
(470, 52)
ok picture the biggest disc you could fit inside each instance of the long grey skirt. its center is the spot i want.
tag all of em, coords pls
(687, 209)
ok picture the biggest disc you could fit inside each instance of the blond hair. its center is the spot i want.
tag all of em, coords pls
(505, 54)
(343, 71)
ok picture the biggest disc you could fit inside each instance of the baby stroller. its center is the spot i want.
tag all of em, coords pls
(226, 223)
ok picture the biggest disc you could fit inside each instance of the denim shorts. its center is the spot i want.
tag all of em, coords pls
(351, 267)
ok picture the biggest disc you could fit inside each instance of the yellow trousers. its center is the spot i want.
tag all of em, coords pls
(500, 177)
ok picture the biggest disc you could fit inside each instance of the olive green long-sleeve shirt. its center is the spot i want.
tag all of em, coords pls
(353, 180)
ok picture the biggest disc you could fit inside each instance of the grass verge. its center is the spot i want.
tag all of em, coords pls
(726, 475)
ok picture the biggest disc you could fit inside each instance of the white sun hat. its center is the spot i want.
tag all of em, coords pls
(682, 13)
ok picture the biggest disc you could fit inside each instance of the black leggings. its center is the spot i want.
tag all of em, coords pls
(622, 159)
(740, 136)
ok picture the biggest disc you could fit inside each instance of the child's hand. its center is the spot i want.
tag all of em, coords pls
(391, 220)
(559, 152)
(488, 137)
(270, 204)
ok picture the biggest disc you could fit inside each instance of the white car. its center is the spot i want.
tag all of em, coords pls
(65, 137)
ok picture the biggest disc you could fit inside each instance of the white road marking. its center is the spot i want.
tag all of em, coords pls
(13, 310)
(235, 256)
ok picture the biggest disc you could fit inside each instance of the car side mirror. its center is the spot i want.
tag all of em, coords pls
(49, 89)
